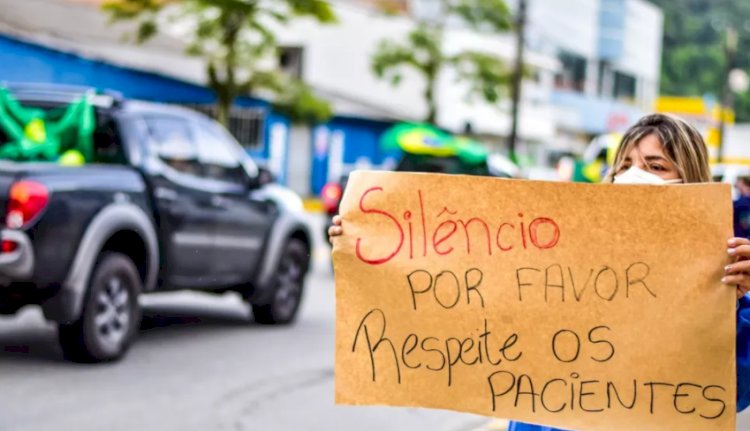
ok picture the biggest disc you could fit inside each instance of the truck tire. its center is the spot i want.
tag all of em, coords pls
(288, 285)
(111, 314)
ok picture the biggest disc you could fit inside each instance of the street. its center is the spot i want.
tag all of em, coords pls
(199, 364)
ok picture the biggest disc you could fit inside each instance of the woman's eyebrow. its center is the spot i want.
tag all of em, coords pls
(655, 158)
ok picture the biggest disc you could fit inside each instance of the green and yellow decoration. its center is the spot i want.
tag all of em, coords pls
(63, 135)
(425, 139)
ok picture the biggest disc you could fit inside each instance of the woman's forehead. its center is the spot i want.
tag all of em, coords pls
(649, 145)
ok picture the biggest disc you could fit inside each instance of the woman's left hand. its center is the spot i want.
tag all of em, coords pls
(738, 272)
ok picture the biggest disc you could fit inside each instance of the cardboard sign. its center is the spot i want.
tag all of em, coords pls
(581, 306)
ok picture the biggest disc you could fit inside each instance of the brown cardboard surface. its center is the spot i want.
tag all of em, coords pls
(581, 306)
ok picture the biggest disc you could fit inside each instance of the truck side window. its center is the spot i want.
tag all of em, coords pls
(173, 143)
(107, 143)
(218, 157)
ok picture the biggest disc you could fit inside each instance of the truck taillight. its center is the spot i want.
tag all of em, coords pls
(26, 200)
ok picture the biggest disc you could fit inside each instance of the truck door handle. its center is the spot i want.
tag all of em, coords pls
(165, 194)
(220, 201)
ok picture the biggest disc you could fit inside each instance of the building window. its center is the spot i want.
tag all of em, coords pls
(245, 124)
(290, 60)
(573, 73)
(624, 86)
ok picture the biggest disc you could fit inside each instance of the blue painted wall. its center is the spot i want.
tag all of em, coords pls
(361, 141)
(27, 62)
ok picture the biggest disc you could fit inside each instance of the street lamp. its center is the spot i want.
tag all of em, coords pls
(730, 49)
(516, 79)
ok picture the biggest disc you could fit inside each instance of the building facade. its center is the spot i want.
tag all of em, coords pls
(610, 55)
(336, 61)
(594, 68)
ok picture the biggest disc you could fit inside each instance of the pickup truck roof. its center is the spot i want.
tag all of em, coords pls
(63, 93)
(102, 99)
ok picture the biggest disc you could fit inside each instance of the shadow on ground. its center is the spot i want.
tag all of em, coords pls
(28, 337)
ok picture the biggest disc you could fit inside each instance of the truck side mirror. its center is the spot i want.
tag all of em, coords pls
(265, 176)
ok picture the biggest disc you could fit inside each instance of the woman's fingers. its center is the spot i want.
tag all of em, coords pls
(737, 274)
(737, 267)
(737, 241)
(740, 251)
(335, 230)
(736, 279)
(740, 281)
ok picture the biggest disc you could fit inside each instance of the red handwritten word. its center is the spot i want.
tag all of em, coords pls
(541, 233)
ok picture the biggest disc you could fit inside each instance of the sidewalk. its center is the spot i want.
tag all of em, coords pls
(494, 425)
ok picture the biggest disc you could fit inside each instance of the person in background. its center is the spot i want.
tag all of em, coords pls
(742, 208)
(663, 149)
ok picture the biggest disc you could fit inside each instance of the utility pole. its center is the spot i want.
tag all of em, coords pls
(517, 78)
(730, 49)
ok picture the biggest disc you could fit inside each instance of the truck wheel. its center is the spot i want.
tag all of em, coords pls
(110, 315)
(288, 284)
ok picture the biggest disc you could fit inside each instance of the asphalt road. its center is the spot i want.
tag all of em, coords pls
(198, 364)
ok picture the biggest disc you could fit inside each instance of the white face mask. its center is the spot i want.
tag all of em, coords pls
(636, 175)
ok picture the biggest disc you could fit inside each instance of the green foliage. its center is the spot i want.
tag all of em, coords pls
(694, 61)
(489, 15)
(486, 75)
(424, 53)
(233, 36)
(420, 52)
(300, 104)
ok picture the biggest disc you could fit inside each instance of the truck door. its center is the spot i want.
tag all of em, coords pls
(185, 208)
(242, 223)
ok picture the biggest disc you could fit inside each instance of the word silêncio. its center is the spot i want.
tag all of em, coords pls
(501, 237)
(489, 346)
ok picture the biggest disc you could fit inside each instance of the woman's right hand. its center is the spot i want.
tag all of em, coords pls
(737, 274)
(336, 229)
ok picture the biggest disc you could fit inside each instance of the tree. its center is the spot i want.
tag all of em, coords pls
(234, 37)
(423, 51)
(693, 61)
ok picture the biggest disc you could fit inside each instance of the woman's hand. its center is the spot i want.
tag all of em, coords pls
(337, 230)
(738, 273)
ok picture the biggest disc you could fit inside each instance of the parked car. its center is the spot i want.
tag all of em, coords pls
(494, 165)
(169, 201)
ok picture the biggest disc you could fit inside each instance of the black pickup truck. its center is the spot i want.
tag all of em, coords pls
(169, 201)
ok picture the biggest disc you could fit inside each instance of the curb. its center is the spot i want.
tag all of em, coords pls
(312, 205)
(493, 425)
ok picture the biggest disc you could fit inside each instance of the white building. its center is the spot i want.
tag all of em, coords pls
(610, 51)
(336, 61)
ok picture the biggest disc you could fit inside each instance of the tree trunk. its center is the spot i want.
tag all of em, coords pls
(430, 96)
(223, 108)
(432, 71)
(226, 90)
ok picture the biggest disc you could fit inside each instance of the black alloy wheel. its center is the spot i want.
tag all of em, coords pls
(111, 314)
(288, 286)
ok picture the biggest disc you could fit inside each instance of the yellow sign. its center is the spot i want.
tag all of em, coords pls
(582, 306)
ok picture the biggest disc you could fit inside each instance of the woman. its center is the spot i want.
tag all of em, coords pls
(662, 149)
